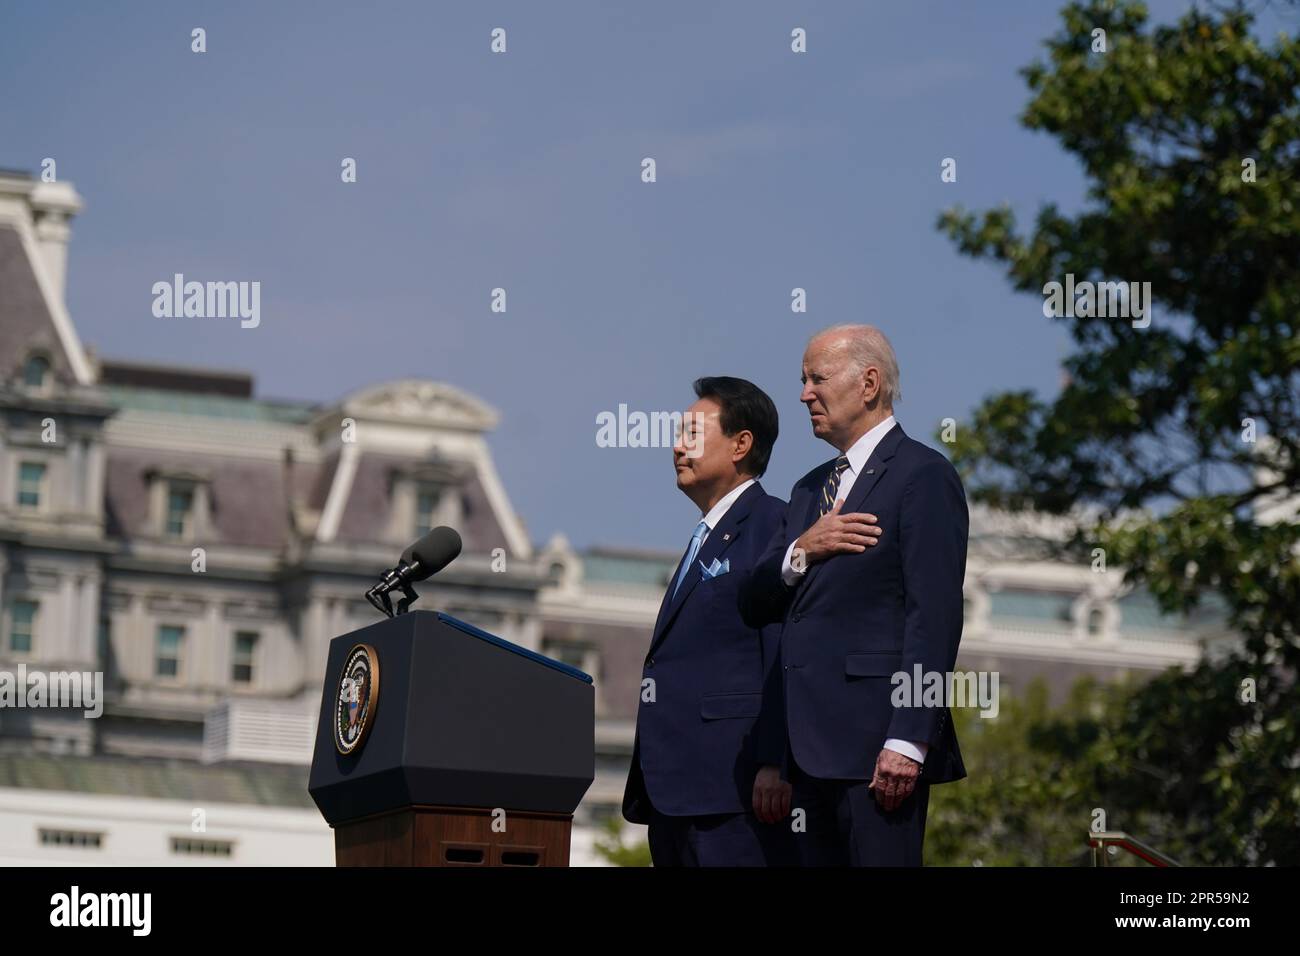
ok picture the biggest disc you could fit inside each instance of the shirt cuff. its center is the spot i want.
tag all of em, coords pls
(789, 573)
(907, 748)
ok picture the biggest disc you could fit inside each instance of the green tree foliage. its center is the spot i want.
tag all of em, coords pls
(1027, 801)
(1189, 138)
(611, 848)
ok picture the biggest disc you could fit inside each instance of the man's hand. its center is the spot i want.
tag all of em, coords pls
(771, 795)
(894, 778)
(835, 533)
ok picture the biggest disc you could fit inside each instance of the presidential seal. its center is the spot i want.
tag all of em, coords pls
(358, 696)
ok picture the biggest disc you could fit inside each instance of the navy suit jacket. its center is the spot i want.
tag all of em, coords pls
(854, 620)
(716, 715)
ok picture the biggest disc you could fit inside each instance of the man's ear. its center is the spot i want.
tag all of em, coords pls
(870, 385)
(744, 444)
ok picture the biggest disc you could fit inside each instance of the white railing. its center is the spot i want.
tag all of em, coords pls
(273, 731)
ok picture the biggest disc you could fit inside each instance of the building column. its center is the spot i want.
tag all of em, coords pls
(95, 480)
(216, 657)
(74, 479)
(4, 576)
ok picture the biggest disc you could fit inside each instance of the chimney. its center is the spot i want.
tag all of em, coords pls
(53, 205)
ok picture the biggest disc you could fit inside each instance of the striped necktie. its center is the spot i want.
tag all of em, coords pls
(832, 486)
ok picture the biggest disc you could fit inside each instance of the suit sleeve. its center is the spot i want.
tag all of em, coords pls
(769, 729)
(764, 597)
(934, 524)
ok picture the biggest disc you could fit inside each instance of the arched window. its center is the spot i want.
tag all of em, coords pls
(36, 371)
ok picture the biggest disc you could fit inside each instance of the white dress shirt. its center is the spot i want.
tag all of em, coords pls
(857, 455)
(724, 504)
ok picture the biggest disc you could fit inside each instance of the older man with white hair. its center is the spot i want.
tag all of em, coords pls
(859, 609)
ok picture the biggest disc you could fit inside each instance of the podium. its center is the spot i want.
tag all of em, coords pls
(440, 744)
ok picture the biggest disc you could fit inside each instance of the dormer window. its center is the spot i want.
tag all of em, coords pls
(180, 509)
(427, 497)
(36, 371)
(180, 505)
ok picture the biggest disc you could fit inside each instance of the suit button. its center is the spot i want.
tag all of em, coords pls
(795, 618)
(650, 662)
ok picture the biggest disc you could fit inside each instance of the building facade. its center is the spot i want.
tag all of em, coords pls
(198, 547)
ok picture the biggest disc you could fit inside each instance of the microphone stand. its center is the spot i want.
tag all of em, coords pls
(378, 595)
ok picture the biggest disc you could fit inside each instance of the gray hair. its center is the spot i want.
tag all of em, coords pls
(866, 345)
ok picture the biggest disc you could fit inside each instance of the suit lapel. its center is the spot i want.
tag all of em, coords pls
(667, 601)
(875, 468)
(720, 539)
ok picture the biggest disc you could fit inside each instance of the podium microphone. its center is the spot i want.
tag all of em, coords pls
(425, 558)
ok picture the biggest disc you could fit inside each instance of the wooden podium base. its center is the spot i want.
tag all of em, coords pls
(453, 836)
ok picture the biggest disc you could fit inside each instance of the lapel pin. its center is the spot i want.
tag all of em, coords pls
(871, 471)
(727, 536)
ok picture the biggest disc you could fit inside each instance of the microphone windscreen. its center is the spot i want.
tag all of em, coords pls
(433, 552)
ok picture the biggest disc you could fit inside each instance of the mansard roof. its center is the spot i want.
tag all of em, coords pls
(33, 235)
(27, 326)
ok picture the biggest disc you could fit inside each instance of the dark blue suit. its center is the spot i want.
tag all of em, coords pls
(854, 620)
(716, 711)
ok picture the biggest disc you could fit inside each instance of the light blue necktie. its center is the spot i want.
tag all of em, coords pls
(691, 552)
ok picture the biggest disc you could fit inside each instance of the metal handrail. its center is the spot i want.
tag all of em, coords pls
(1117, 838)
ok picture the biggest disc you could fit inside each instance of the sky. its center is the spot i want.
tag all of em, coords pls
(522, 171)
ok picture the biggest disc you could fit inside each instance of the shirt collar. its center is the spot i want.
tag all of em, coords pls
(726, 501)
(862, 448)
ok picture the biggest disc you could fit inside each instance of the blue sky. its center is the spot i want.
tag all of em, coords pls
(523, 171)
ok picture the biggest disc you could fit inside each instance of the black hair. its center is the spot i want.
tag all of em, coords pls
(745, 407)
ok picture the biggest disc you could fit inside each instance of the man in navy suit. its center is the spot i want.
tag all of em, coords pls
(858, 611)
(710, 735)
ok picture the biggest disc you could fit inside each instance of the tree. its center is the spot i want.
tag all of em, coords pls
(1178, 441)
(611, 847)
(1029, 797)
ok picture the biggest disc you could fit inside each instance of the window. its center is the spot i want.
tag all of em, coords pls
(35, 371)
(31, 482)
(1033, 605)
(1095, 620)
(104, 638)
(187, 846)
(22, 626)
(426, 507)
(180, 510)
(1139, 609)
(168, 658)
(241, 671)
(72, 838)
